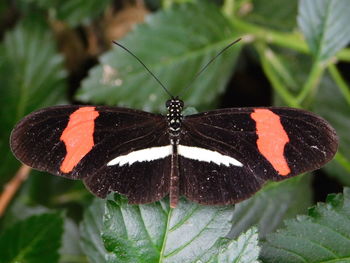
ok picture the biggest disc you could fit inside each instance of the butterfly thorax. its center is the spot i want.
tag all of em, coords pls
(174, 117)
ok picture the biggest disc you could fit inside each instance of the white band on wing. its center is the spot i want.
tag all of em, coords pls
(204, 155)
(190, 152)
(144, 155)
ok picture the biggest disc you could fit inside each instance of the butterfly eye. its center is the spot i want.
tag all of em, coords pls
(168, 103)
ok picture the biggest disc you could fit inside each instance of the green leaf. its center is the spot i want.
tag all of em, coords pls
(73, 12)
(36, 239)
(325, 25)
(269, 207)
(48, 190)
(19, 210)
(90, 231)
(169, 3)
(283, 17)
(244, 250)
(4, 6)
(31, 76)
(162, 45)
(70, 250)
(321, 236)
(155, 233)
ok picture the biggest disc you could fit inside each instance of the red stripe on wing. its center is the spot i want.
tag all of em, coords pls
(78, 137)
(272, 139)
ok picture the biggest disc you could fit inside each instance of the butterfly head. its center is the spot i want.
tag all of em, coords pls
(174, 116)
(174, 103)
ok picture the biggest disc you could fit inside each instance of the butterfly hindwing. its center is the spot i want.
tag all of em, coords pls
(270, 143)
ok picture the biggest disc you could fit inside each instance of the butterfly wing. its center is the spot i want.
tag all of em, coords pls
(224, 156)
(263, 144)
(80, 142)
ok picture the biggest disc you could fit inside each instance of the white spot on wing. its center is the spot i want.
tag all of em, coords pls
(318, 149)
(205, 155)
(144, 155)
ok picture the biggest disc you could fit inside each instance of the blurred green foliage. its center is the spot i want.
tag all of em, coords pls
(293, 53)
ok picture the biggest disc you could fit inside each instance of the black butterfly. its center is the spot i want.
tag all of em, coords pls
(217, 157)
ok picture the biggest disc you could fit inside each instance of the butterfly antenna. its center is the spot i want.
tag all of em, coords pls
(207, 65)
(143, 64)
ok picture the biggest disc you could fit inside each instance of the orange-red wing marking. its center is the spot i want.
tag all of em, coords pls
(78, 136)
(272, 139)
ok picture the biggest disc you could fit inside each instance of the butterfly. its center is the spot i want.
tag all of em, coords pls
(217, 157)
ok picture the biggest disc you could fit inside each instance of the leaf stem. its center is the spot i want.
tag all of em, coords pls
(341, 159)
(72, 196)
(341, 83)
(344, 55)
(161, 253)
(268, 67)
(289, 40)
(292, 40)
(228, 8)
(11, 188)
(312, 82)
(280, 69)
(166, 4)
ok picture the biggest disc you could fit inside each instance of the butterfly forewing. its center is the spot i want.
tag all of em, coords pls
(270, 143)
(36, 139)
